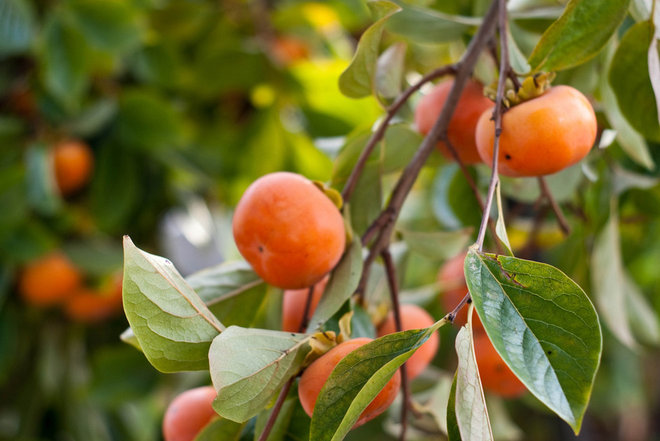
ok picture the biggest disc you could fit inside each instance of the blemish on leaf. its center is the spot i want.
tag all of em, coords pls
(507, 156)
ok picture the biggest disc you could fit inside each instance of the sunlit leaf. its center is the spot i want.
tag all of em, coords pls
(172, 324)
(543, 326)
(390, 70)
(629, 79)
(357, 80)
(248, 366)
(578, 35)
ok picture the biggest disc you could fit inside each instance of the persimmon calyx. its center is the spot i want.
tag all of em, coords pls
(532, 87)
(331, 193)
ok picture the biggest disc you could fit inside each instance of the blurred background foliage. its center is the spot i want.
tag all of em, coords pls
(183, 103)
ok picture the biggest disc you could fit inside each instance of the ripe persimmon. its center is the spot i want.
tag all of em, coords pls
(293, 305)
(496, 376)
(73, 162)
(471, 104)
(49, 280)
(288, 230)
(317, 373)
(541, 136)
(414, 317)
(454, 288)
(188, 413)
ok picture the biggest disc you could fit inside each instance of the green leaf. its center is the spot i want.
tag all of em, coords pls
(390, 70)
(453, 432)
(607, 279)
(341, 286)
(643, 320)
(65, 67)
(16, 26)
(629, 79)
(437, 245)
(115, 191)
(279, 430)
(93, 118)
(233, 292)
(500, 227)
(518, 60)
(149, 121)
(220, 429)
(578, 35)
(128, 336)
(632, 143)
(357, 80)
(248, 366)
(423, 25)
(358, 378)
(562, 185)
(172, 324)
(543, 326)
(42, 192)
(112, 25)
(471, 413)
(96, 256)
(454, 203)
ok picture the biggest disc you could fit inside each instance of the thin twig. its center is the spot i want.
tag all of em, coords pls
(382, 127)
(464, 69)
(497, 116)
(390, 271)
(285, 389)
(308, 307)
(276, 410)
(545, 191)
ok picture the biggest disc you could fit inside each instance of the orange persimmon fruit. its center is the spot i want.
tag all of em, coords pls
(288, 230)
(317, 373)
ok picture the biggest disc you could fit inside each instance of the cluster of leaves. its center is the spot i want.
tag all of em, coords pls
(540, 321)
(147, 86)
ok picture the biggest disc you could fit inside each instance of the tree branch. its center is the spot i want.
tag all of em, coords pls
(464, 69)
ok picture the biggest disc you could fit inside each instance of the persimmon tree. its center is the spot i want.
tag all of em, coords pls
(542, 325)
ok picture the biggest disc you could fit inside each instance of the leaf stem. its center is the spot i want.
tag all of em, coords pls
(390, 271)
(505, 66)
